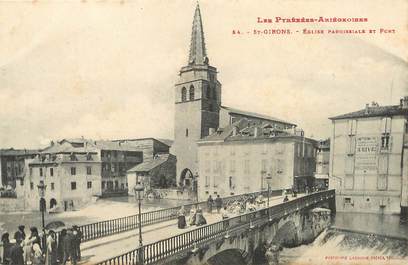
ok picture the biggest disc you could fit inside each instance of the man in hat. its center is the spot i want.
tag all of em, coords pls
(20, 233)
(69, 251)
(77, 241)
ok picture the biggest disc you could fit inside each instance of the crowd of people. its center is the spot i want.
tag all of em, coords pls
(35, 249)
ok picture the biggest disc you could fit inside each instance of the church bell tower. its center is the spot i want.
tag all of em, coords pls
(197, 103)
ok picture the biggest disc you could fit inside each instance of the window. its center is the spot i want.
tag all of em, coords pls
(352, 127)
(41, 172)
(231, 183)
(89, 184)
(186, 132)
(351, 144)
(183, 94)
(264, 148)
(232, 150)
(232, 166)
(208, 91)
(88, 156)
(31, 171)
(207, 166)
(73, 171)
(280, 166)
(72, 157)
(246, 167)
(191, 93)
(73, 185)
(31, 185)
(51, 172)
(385, 141)
(347, 200)
(103, 184)
(263, 165)
(52, 186)
(89, 170)
(382, 182)
(207, 181)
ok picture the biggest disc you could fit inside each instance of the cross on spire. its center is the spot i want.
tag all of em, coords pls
(198, 54)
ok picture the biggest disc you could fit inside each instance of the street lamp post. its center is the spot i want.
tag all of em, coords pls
(195, 185)
(137, 189)
(268, 180)
(41, 192)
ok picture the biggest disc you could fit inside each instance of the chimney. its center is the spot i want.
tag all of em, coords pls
(404, 102)
(211, 131)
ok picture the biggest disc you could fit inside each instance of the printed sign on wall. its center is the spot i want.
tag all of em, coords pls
(366, 155)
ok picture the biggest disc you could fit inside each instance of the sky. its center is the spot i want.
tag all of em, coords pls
(107, 69)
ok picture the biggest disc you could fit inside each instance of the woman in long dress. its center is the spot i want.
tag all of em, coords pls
(181, 218)
(51, 250)
(200, 220)
(193, 213)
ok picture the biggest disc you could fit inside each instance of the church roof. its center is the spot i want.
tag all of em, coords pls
(255, 115)
(198, 53)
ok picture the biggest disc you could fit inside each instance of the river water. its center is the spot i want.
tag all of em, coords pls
(355, 238)
(103, 209)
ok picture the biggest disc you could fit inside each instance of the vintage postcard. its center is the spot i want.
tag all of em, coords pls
(203, 132)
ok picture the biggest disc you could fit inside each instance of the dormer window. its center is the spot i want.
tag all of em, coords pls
(73, 157)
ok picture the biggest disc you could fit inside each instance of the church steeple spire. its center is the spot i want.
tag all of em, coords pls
(198, 54)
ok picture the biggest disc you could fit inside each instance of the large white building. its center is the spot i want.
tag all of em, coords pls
(368, 163)
(238, 159)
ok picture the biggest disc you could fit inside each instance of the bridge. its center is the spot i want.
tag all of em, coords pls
(287, 224)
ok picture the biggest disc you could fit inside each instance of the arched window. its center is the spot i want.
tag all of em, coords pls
(207, 91)
(183, 94)
(214, 92)
(191, 92)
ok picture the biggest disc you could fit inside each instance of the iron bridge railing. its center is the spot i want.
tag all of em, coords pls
(123, 224)
(165, 248)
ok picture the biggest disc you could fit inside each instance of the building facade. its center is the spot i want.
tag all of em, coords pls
(198, 109)
(76, 171)
(321, 180)
(159, 173)
(238, 158)
(12, 165)
(367, 162)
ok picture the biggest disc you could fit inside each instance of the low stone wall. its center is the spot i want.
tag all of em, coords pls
(12, 205)
(172, 194)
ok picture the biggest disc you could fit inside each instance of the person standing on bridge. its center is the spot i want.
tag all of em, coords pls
(181, 218)
(193, 215)
(286, 198)
(51, 250)
(218, 203)
(210, 203)
(69, 251)
(77, 241)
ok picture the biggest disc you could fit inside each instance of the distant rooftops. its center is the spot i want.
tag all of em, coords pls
(18, 152)
(376, 110)
(248, 114)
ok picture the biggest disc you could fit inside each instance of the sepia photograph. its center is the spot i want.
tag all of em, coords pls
(198, 132)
